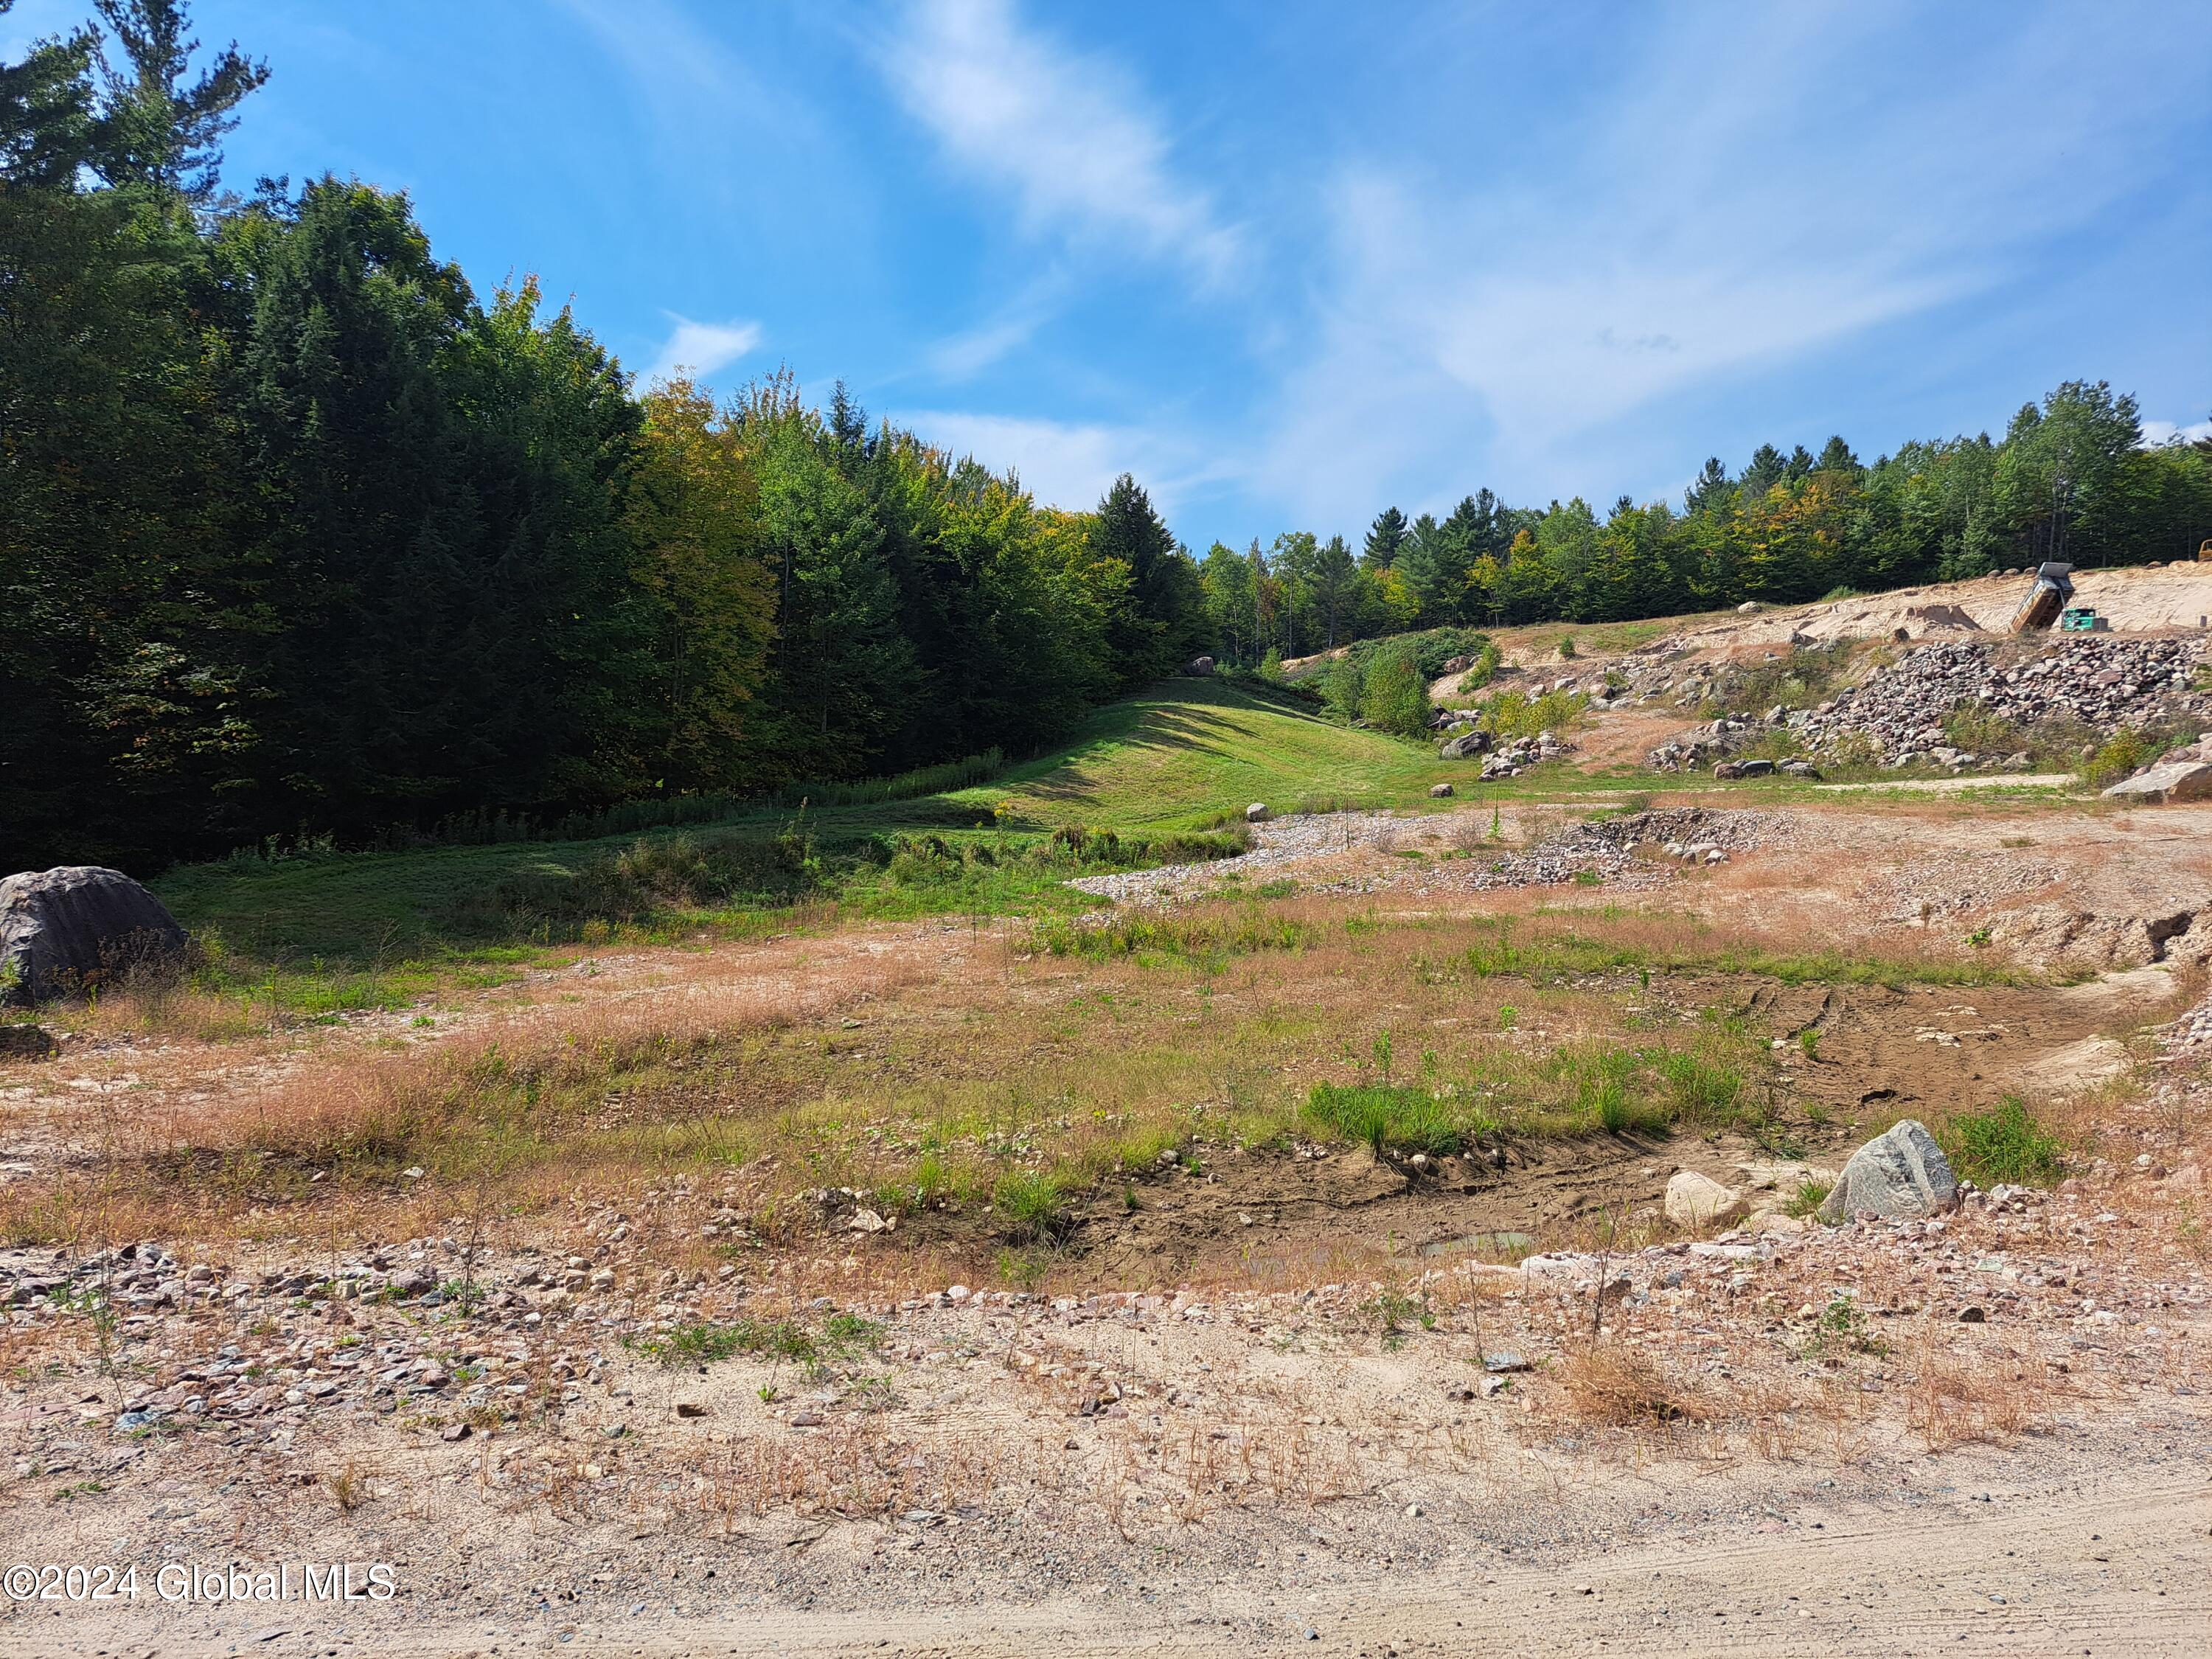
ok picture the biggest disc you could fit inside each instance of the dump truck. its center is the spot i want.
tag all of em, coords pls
(2083, 619)
(2046, 600)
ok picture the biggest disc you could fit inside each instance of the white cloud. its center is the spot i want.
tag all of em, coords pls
(1062, 464)
(1067, 134)
(699, 348)
(2165, 432)
(963, 355)
(1766, 186)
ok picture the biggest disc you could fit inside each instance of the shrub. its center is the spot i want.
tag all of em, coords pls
(1618, 1388)
(1394, 696)
(1344, 687)
(2004, 1144)
(2125, 752)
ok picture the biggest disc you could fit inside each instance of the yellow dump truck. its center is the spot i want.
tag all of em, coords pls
(2046, 600)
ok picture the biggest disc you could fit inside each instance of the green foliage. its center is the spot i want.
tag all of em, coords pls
(2124, 753)
(1204, 936)
(1808, 1199)
(656, 876)
(2003, 1144)
(1842, 1329)
(1395, 697)
(703, 1342)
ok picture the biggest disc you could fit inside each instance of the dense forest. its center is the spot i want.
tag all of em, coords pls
(2071, 479)
(301, 534)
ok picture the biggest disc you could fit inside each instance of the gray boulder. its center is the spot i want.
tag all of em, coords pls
(1900, 1175)
(64, 930)
(1466, 746)
(2168, 781)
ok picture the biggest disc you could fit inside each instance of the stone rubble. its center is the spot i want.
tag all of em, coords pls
(2097, 683)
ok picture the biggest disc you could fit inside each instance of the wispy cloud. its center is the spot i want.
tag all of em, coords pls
(1064, 464)
(1069, 134)
(1717, 217)
(700, 348)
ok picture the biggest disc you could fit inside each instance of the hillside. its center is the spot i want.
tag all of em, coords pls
(1186, 754)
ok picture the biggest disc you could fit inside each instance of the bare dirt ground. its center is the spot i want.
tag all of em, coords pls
(1293, 1397)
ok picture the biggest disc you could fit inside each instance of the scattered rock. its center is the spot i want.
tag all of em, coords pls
(1440, 790)
(1257, 812)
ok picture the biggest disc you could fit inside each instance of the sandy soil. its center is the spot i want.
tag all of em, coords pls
(2009, 1456)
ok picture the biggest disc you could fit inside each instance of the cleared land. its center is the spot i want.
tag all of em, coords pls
(836, 1233)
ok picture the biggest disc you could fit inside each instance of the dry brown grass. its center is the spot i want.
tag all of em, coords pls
(1610, 1385)
(1965, 1395)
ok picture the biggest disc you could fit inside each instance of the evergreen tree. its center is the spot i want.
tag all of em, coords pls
(1384, 537)
(1712, 488)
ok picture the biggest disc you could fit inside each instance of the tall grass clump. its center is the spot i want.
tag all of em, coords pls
(1032, 1205)
(2004, 1144)
(939, 779)
(1200, 938)
(1402, 1121)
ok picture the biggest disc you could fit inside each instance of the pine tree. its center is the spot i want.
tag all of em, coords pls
(1384, 537)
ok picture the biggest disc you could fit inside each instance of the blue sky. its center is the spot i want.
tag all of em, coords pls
(1291, 261)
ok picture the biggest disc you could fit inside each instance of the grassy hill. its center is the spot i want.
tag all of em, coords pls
(1185, 755)
(1189, 753)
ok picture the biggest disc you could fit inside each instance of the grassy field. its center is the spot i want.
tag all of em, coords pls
(330, 931)
(1189, 753)
(1185, 755)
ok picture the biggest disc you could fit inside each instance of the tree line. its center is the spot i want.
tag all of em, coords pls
(2071, 479)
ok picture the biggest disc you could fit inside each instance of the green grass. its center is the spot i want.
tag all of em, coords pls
(1187, 753)
(1403, 1121)
(1032, 1207)
(703, 1343)
(2003, 1144)
(1145, 774)
(1554, 953)
(1574, 1089)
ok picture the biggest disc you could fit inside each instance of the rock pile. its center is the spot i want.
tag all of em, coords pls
(1522, 752)
(2101, 684)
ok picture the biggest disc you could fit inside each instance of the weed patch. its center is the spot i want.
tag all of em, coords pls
(2004, 1144)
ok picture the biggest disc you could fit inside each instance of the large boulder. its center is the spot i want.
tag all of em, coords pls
(2168, 781)
(1466, 746)
(63, 931)
(1900, 1175)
